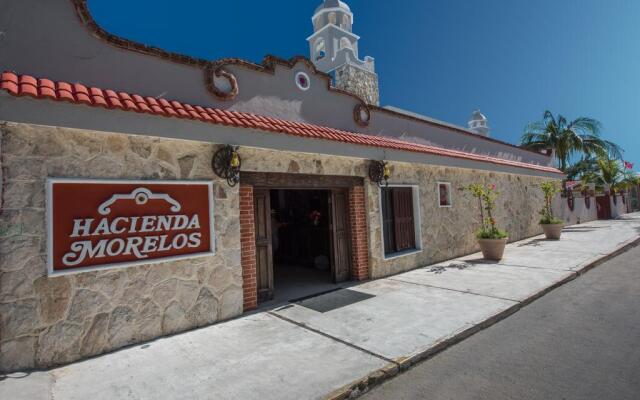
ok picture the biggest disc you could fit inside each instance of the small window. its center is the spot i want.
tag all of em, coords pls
(302, 81)
(444, 194)
(398, 222)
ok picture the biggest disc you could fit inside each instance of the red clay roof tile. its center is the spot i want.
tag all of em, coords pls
(19, 85)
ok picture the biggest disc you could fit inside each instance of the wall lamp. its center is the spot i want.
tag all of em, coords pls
(226, 164)
(379, 172)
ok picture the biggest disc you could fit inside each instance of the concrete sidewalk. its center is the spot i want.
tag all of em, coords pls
(337, 344)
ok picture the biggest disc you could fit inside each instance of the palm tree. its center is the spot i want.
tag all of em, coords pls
(629, 179)
(611, 171)
(566, 138)
(585, 170)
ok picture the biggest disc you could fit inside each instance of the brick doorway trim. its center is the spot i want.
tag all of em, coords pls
(357, 221)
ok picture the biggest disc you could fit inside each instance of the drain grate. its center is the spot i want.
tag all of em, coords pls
(333, 300)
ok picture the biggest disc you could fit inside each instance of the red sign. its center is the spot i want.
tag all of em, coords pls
(99, 224)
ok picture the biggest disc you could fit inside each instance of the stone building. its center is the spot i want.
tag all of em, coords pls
(274, 171)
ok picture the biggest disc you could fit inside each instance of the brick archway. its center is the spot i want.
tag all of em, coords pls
(357, 219)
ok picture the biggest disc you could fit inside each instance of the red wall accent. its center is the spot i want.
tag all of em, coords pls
(248, 249)
(359, 237)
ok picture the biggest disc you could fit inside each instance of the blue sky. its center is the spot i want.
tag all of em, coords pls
(443, 58)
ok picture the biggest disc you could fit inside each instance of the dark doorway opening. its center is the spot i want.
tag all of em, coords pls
(301, 243)
(339, 201)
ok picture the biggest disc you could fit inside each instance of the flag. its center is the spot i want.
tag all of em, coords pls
(628, 165)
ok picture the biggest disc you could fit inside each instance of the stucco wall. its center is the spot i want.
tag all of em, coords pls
(44, 321)
(619, 207)
(580, 213)
(73, 54)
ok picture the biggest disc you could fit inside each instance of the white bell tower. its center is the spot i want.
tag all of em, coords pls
(334, 50)
(479, 124)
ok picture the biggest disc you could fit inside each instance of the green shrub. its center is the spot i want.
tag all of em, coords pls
(549, 189)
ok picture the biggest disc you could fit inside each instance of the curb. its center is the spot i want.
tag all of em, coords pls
(361, 386)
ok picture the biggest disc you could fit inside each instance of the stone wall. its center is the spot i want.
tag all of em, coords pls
(359, 82)
(446, 232)
(46, 321)
(450, 232)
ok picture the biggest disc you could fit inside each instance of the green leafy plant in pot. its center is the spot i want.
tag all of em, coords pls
(492, 240)
(551, 225)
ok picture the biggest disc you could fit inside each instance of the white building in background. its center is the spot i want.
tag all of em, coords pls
(479, 123)
(334, 50)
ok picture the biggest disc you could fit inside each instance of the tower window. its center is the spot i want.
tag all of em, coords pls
(332, 18)
(345, 43)
(345, 22)
(319, 49)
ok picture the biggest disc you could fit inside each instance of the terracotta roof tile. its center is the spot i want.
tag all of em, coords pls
(25, 85)
(65, 92)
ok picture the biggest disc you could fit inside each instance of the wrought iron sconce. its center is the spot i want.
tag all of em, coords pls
(379, 172)
(226, 164)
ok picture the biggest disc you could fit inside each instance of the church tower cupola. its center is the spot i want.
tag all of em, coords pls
(479, 123)
(334, 50)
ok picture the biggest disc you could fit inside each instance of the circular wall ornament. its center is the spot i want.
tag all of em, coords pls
(302, 81)
(362, 114)
(215, 70)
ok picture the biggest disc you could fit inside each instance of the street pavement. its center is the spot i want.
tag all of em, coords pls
(341, 343)
(581, 341)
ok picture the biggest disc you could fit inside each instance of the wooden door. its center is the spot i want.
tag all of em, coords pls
(341, 247)
(403, 218)
(264, 251)
(603, 205)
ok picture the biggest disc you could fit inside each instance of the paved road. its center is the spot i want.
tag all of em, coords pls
(581, 341)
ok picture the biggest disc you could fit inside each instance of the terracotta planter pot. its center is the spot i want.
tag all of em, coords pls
(492, 249)
(552, 231)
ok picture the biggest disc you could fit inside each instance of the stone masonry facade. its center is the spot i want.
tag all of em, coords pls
(446, 232)
(47, 321)
(363, 84)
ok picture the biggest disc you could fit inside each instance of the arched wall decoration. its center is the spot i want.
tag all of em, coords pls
(570, 200)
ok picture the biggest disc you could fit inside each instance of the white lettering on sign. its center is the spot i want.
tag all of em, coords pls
(102, 224)
(139, 246)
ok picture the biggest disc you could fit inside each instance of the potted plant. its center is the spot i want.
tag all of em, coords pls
(492, 240)
(551, 225)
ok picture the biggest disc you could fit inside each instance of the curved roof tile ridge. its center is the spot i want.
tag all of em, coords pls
(26, 85)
